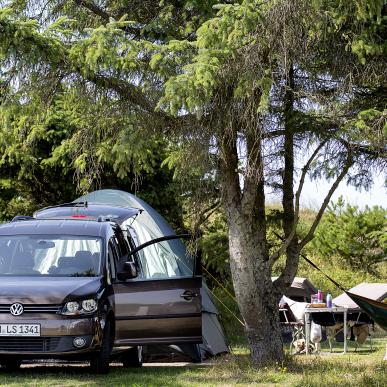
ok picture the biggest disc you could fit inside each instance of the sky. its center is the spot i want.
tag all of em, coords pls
(314, 192)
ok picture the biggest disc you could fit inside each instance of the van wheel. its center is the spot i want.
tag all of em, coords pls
(11, 365)
(99, 363)
(132, 358)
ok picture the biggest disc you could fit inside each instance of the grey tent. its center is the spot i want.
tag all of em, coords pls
(300, 290)
(367, 313)
(165, 260)
(373, 291)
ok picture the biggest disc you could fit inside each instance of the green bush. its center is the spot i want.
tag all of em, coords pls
(352, 238)
(345, 276)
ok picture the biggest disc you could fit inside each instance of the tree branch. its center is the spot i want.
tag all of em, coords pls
(203, 216)
(89, 5)
(289, 219)
(123, 89)
(92, 7)
(209, 211)
(253, 176)
(305, 170)
(273, 133)
(128, 92)
(253, 173)
(253, 199)
(229, 167)
(309, 236)
(371, 151)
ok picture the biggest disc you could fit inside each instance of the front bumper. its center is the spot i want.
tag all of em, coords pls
(43, 345)
(56, 336)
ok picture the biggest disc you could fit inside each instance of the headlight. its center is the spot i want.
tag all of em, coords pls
(89, 305)
(74, 308)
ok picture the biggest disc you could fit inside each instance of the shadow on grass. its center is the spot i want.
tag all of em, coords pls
(228, 370)
(353, 369)
(147, 376)
(71, 375)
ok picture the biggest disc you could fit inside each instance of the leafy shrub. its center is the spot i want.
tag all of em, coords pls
(352, 237)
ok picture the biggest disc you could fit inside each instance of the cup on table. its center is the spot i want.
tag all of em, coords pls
(314, 299)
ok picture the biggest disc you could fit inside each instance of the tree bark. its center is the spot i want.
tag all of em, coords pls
(254, 290)
(290, 219)
(250, 268)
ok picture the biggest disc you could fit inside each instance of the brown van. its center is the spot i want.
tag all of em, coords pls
(73, 288)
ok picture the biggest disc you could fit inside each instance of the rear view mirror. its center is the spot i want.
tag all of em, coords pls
(45, 245)
(127, 271)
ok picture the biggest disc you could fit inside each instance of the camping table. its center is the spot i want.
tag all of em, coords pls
(334, 309)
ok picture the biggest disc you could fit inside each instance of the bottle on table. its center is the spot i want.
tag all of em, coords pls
(320, 296)
(329, 300)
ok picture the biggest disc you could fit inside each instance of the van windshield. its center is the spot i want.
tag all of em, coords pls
(55, 255)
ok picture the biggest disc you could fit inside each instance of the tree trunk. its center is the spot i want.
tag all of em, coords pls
(254, 291)
(249, 259)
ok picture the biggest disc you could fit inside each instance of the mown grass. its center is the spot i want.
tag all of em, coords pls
(363, 368)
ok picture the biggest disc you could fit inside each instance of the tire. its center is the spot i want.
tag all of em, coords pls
(11, 365)
(132, 358)
(99, 363)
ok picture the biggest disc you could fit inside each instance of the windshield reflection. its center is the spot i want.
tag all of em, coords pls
(57, 255)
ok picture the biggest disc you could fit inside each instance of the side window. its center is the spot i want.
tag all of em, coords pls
(132, 238)
(112, 259)
(120, 242)
(132, 241)
(157, 261)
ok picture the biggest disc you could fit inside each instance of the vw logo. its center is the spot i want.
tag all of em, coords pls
(16, 309)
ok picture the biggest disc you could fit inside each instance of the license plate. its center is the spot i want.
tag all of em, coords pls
(19, 329)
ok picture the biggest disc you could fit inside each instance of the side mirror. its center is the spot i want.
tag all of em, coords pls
(127, 271)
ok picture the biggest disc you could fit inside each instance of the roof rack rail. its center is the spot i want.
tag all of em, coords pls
(22, 217)
(140, 210)
(71, 204)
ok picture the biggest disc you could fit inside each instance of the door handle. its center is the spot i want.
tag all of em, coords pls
(188, 295)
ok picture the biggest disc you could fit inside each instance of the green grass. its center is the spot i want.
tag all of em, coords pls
(364, 368)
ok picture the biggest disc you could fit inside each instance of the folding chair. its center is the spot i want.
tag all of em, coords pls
(289, 323)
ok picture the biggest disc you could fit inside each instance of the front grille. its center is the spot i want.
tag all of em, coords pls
(29, 344)
(4, 308)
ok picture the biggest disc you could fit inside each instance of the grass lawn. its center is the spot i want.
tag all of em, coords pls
(363, 368)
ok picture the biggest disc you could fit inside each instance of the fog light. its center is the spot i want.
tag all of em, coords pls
(79, 342)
